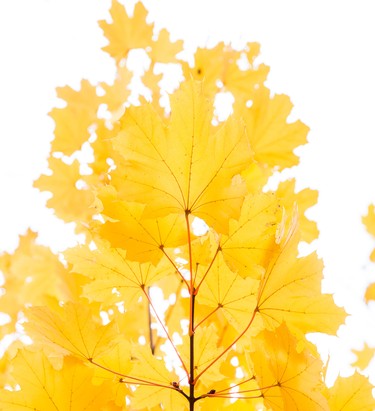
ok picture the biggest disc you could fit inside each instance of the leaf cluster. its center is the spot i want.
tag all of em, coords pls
(189, 291)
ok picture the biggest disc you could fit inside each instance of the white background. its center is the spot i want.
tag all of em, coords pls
(321, 54)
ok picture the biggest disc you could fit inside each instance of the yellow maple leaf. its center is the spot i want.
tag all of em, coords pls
(228, 292)
(370, 293)
(44, 388)
(206, 350)
(351, 394)
(364, 356)
(369, 219)
(72, 122)
(167, 168)
(103, 150)
(248, 245)
(69, 202)
(117, 94)
(71, 329)
(272, 138)
(145, 239)
(305, 199)
(113, 277)
(125, 33)
(288, 378)
(219, 68)
(369, 222)
(32, 275)
(290, 291)
(163, 50)
(160, 390)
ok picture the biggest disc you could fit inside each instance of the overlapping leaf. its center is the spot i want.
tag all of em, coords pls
(43, 388)
(113, 277)
(160, 389)
(351, 394)
(290, 291)
(272, 138)
(228, 292)
(166, 168)
(72, 122)
(71, 329)
(305, 199)
(69, 202)
(289, 379)
(251, 239)
(145, 239)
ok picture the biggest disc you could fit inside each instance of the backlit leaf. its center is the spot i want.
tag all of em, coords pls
(288, 378)
(43, 388)
(167, 168)
(125, 33)
(351, 394)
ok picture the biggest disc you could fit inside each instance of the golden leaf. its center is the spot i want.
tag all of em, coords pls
(163, 50)
(167, 168)
(272, 138)
(351, 394)
(72, 122)
(251, 239)
(71, 329)
(305, 199)
(44, 388)
(364, 356)
(290, 291)
(113, 277)
(288, 378)
(69, 202)
(125, 33)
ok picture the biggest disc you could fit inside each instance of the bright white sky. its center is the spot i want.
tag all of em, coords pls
(321, 54)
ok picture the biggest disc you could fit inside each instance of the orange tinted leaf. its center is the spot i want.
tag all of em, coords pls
(288, 378)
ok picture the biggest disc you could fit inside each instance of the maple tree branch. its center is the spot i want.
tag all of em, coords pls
(191, 315)
(243, 397)
(165, 330)
(229, 346)
(191, 379)
(138, 381)
(236, 385)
